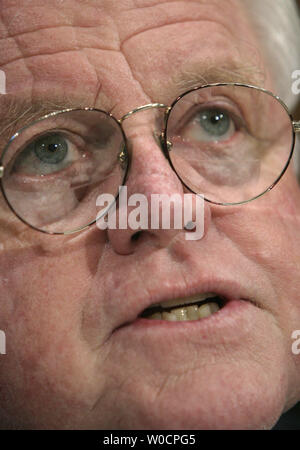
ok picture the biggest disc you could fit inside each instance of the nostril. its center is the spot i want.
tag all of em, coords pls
(136, 236)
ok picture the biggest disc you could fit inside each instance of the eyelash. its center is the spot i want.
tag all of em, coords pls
(233, 113)
(68, 135)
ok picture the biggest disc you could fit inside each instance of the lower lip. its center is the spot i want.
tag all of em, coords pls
(229, 317)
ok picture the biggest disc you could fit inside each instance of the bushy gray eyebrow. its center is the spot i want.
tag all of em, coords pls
(17, 112)
(201, 74)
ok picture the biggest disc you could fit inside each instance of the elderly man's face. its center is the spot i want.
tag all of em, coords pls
(77, 354)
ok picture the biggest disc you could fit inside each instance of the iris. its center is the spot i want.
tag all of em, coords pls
(51, 149)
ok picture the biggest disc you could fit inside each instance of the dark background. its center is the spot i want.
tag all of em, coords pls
(291, 419)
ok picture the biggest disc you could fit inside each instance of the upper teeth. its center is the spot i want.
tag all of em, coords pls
(184, 301)
(182, 309)
(187, 313)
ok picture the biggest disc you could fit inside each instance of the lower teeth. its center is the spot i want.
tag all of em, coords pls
(192, 312)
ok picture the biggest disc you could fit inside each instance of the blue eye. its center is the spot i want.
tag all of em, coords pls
(51, 149)
(209, 125)
(47, 154)
(215, 122)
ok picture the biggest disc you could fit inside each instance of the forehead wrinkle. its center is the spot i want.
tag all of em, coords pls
(24, 58)
(17, 20)
(140, 19)
(22, 45)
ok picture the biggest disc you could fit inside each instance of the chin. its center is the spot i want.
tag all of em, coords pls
(213, 398)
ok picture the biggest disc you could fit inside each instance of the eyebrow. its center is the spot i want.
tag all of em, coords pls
(19, 112)
(25, 110)
(244, 74)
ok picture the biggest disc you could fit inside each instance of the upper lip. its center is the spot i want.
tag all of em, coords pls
(227, 289)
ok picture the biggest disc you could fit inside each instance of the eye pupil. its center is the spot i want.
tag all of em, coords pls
(216, 118)
(51, 149)
(215, 122)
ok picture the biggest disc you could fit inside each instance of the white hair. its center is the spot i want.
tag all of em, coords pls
(277, 25)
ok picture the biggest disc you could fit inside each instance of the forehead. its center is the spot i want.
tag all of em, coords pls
(117, 54)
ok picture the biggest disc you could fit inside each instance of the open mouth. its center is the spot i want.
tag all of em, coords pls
(190, 308)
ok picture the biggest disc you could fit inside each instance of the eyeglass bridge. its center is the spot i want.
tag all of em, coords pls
(144, 108)
(160, 137)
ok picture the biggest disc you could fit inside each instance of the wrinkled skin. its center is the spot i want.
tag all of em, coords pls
(70, 363)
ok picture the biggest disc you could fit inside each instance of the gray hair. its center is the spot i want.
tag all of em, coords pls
(277, 24)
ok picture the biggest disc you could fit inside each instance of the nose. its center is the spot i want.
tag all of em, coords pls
(150, 177)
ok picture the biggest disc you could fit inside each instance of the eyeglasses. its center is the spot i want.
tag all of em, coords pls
(227, 141)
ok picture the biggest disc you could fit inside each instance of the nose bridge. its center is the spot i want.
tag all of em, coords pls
(148, 166)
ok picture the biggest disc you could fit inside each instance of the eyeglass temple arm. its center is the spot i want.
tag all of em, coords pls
(296, 126)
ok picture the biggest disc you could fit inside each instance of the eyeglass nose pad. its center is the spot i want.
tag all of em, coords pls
(123, 157)
(166, 146)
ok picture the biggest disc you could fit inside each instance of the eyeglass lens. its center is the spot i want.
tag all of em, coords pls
(56, 168)
(229, 143)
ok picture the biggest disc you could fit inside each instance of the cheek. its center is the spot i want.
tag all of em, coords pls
(270, 239)
(34, 279)
(47, 360)
(48, 279)
(41, 295)
(266, 233)
(267, 229)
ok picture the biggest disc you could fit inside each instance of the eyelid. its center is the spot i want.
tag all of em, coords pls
(62, 133)
(66, 134)
(60, 170)
(229, 107)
